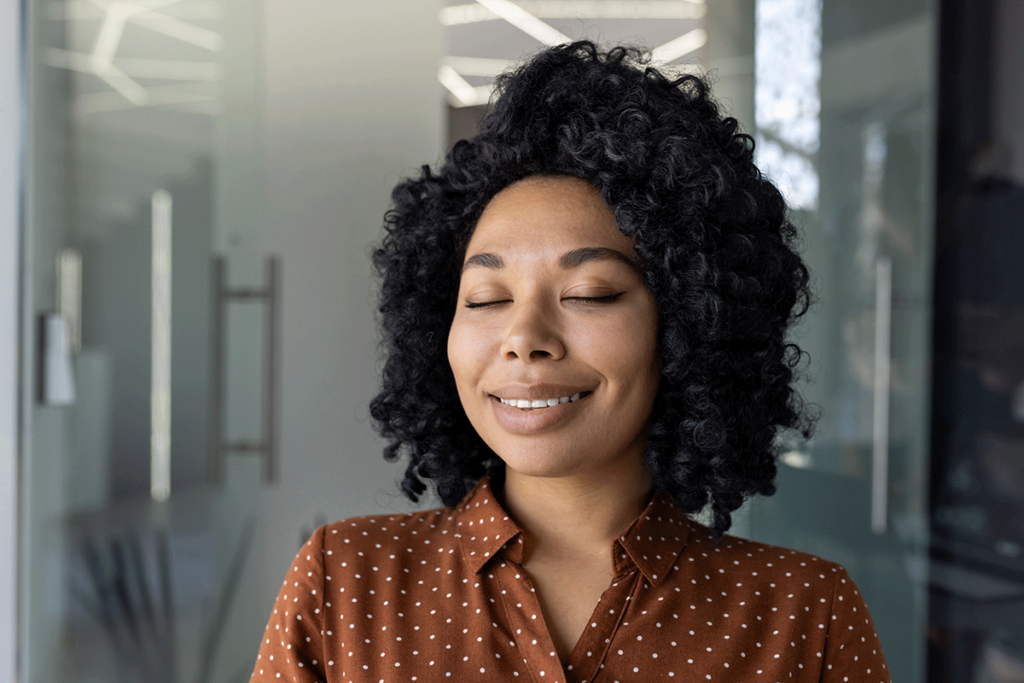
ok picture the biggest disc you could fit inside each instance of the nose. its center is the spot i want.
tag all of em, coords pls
(532, 335)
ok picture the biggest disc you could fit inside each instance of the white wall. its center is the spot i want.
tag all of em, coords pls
(11, 131)
(352, 104)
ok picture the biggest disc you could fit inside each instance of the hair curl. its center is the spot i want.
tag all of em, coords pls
(716, 248)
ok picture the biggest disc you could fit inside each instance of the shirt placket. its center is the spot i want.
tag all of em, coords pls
(522, 609)
(596, 641)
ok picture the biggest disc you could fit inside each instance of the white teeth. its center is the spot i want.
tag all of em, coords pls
(540, 403)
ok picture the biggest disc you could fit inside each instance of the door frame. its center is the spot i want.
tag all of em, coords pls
(12, 166)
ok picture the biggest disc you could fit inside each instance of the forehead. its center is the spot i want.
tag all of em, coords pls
(547, 214)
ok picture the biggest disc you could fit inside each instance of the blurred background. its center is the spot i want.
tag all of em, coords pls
(190, 189)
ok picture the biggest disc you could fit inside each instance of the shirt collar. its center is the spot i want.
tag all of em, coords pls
(651, 543)
(484, 527)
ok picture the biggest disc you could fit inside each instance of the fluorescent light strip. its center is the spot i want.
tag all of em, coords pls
(453, 68)
(164, 95)
(465, 94)
(108, 41)
(135, 5)
(122, 83)
(478, 66)
(679, 47)
(525, 22)
(160, 378)
(181, 30)
(171, 69)
(66, 59)
(127, 89)
(574, 9)
(89, 10)
(109, 37)
(481, 95)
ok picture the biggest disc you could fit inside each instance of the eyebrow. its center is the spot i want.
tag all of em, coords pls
(568, 260)
(578, 257)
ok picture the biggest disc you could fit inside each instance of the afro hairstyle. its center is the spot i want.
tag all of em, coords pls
(716, 249)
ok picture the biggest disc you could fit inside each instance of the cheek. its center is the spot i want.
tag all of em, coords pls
(456, 356)
(627, 348)
(466, 350)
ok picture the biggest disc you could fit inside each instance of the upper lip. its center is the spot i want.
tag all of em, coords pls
(536, 392)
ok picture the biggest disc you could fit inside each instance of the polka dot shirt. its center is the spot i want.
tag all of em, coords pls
(442, 596)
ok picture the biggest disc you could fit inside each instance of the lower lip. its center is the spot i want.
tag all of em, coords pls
(534, 421)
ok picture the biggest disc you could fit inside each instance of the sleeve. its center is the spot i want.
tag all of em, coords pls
(853, 653)
(292, 646)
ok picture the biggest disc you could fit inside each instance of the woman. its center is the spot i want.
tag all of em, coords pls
(584, 313)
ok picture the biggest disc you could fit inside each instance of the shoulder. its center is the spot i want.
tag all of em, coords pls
(387, 534)
(780, 589)
(764, 569)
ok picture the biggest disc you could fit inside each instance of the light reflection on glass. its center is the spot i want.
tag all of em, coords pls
(69, 295)
(872, 213)
(472, 13)
(787, 101)
(160, 383)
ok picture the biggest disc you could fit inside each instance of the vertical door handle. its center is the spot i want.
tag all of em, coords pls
(880, 432)
(270, 297)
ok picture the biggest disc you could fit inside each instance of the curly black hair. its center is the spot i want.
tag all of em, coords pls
(716, 247)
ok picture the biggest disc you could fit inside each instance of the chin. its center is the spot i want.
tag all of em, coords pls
(545, 465)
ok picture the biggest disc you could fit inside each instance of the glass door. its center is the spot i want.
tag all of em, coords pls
(842, 98)
(152, 426)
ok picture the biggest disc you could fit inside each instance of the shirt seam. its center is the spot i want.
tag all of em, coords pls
(638, 579)
(322, 533)
(828, 622)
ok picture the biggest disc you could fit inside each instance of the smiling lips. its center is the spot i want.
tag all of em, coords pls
(535, 415)
(527, 404)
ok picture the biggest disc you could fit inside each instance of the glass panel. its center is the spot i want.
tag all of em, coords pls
(144, 158)
(161, 123)
(977, 560)
(843, 105)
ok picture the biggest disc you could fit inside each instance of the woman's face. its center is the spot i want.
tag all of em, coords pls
(552, 311)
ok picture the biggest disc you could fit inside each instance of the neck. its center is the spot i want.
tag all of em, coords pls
(574, 517)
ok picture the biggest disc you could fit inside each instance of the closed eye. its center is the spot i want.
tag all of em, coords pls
(484, 304)
(583, 299)
(595, 299)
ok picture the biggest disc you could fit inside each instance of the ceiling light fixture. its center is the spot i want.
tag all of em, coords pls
(168, 69)
(573, 9)
(100, 62)
(464, 94)
(479, 66)
(175, 95)
(525, 22)
(679, 47)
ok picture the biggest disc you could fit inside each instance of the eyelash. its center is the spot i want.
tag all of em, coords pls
(586, 299)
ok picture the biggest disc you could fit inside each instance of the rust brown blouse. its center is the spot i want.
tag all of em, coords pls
(441, 595)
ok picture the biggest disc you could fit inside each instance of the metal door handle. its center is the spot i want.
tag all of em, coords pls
(880, 435)
(270, 297)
